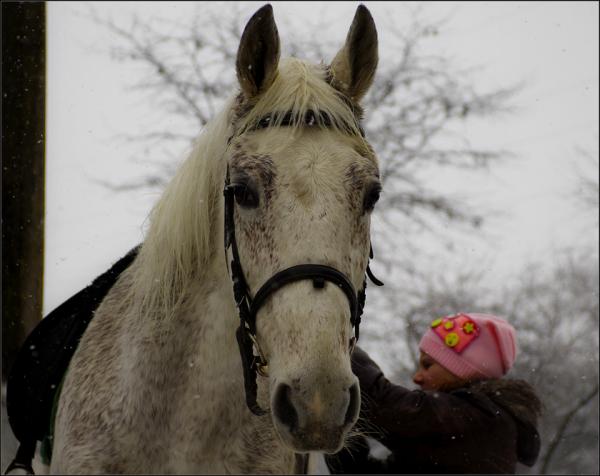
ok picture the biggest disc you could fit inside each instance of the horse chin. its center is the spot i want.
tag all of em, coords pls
(318, 439)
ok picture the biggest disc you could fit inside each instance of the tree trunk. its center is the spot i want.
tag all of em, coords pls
(23, 147)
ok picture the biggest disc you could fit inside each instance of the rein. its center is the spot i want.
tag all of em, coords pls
(248, 306)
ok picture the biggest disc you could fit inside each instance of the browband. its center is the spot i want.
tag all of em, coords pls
(311, 118)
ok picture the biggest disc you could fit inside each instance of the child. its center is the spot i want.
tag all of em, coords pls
(465, 418)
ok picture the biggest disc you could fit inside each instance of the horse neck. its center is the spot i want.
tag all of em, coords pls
(211, 319)
(194, 350)
(214, 304)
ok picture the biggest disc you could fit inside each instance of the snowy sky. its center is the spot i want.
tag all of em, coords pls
(552, 46)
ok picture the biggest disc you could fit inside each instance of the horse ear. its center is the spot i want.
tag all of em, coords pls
(258, 53)
(353, 68)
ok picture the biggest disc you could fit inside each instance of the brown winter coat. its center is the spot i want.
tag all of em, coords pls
(485, 427)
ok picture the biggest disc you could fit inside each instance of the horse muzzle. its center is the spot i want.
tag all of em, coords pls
(315, 417)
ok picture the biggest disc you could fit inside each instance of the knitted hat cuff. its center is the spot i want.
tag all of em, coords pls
(449, 359)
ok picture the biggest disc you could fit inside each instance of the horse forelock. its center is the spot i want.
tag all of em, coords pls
(299, 88)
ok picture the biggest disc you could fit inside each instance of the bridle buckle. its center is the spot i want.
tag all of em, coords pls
(259, 363)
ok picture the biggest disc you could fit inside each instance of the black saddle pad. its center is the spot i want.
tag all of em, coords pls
(44, 357)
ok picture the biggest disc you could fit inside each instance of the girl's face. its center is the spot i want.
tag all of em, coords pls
(432, 376)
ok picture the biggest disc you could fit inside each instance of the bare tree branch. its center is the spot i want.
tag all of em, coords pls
(562, 428)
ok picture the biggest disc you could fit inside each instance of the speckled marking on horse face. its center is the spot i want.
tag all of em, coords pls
(355, 183)
(357, 178)
(256, 227)
(257, 167)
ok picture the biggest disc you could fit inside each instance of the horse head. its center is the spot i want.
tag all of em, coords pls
(303, 181)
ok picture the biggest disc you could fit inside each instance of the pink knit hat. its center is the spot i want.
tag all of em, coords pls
(471, 345)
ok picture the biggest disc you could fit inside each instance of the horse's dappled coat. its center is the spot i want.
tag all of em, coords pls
(156, 383)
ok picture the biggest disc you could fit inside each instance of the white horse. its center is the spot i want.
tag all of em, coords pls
(157, 384)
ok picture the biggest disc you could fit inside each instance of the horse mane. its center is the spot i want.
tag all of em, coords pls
(181, 240)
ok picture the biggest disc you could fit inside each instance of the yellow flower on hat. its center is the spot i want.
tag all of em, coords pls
(451, 339)
(437, 322)
(468, 327)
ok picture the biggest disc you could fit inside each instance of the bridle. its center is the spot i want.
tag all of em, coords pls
(248, 306)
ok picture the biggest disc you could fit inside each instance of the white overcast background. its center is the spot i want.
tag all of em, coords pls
(551, 46)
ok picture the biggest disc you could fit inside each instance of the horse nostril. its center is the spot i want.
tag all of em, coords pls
(283, 408)
(353, 405)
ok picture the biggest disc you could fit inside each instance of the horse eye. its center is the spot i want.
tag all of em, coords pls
(245, 197)
(371, 197)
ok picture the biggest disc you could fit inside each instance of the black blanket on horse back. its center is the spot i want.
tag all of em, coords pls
(44, 357)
